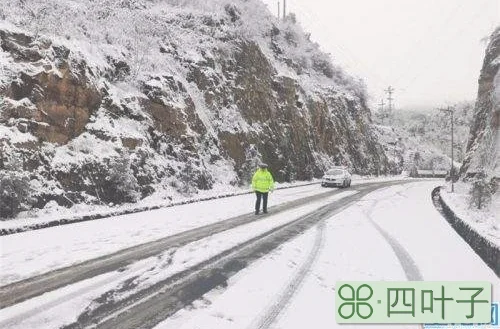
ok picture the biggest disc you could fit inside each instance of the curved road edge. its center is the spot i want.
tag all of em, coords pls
(488, 252)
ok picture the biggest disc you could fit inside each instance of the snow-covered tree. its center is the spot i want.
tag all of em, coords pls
(121, 184)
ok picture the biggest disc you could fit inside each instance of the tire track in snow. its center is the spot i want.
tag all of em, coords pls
(410, 268)
(116, 213)
(87, 288)
(17, 292)
(147, 308)
(270, 315)
(22, 290)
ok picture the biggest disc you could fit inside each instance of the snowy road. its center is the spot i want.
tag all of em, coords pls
(391, 234)
(58, 253)
(271, 269)
(31, 253)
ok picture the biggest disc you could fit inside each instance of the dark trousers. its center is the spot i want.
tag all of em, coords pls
(264, 201)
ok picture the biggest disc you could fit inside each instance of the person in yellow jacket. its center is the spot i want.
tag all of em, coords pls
(262, 183)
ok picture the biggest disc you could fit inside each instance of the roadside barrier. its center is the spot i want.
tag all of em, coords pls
(488, 252)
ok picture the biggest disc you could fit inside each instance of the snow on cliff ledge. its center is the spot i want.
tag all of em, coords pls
(113, 101)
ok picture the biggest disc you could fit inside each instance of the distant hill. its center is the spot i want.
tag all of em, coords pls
(422, 138)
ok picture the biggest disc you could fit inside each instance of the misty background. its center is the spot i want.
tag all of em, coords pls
(429, 51)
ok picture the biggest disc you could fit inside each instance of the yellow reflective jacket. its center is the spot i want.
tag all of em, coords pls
(262, 181)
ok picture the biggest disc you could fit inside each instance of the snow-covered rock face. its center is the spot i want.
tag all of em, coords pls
(48, 98)
(110, 102)
(483, 147)
(408, 152)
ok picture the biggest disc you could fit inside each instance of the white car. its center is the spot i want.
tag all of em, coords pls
(337, 177)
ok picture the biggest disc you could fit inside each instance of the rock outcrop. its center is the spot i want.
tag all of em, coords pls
(173, 101)
(61, 100)
(482, 155)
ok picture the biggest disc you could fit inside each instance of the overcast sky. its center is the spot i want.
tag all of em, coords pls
(430, 51)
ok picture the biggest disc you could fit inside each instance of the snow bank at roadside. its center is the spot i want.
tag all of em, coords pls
(485, 222)
(57, 215)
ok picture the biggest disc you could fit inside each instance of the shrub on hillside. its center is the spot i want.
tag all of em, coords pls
(120, 183)
(15, 193)
(482, 191)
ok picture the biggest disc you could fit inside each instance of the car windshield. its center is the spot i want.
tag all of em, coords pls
(334, 172)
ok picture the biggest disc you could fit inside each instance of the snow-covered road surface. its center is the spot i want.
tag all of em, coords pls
(389, 234)
(48, 306)
(26, 254)
(30, 253)
(353, 249)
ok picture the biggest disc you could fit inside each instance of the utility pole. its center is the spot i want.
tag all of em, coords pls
(381, 106)
(452, 169)
(395, 157)
(279, 10)
(284, 9)
(450, 111)
(381, 111)
(390, 91)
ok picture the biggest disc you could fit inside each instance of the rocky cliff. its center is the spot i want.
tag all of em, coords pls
(115, 101)
(482, 155)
